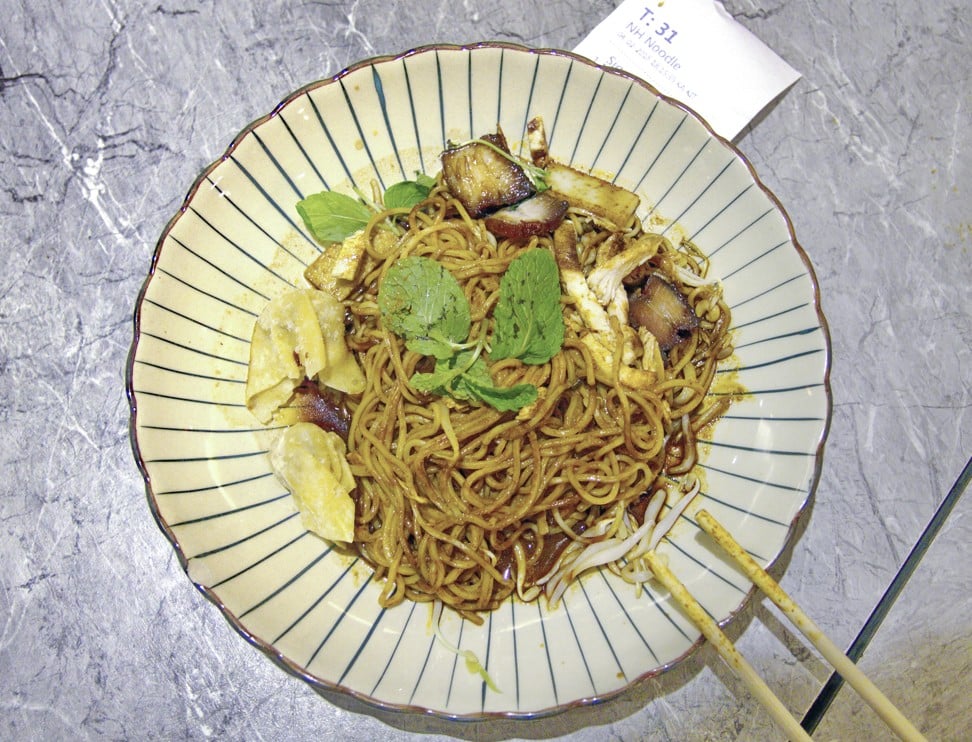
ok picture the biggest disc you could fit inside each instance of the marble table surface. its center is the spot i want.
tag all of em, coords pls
(108, 111)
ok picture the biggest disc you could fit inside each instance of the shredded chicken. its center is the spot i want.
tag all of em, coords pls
(606, 278)
(603, 339)
(575, 282)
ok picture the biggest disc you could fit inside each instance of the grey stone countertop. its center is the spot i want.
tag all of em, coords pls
(110, 109)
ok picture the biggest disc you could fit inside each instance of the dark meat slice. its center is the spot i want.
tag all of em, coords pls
(540, 214)
(482, 178)
(321, 407)
(664, 312)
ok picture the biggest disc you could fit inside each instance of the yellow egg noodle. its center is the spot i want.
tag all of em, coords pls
(466, 478)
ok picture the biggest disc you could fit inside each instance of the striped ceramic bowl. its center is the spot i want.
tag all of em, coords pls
(237, 241)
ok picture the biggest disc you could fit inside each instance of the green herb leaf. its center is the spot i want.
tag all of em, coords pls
(502, 398)
(529, 321)
(466, 376)
(477, 384)
(406, 194)
(447, 370)
(423, 303)
(433, 345)
(332, 217)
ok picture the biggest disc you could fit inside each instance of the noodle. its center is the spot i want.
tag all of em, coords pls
(467, 505)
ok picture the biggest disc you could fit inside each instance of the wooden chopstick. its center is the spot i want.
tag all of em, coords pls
(711, 631)
(841, 662)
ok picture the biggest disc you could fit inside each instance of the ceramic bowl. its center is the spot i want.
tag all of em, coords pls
(237, 241)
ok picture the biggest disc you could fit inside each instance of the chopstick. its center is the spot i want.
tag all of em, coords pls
(851, 673)
(724, 646)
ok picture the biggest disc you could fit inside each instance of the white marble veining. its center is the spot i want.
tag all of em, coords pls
(109, 110)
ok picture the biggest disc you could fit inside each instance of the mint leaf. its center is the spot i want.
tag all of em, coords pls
(406, 194)
(502, 398)
(332, 217)
(477, 384)
(529, 323)
(442, 380)
(433, 345)
(423, 303)
(466, 376)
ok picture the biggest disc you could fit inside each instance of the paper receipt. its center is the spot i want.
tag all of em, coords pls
(695, 52)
